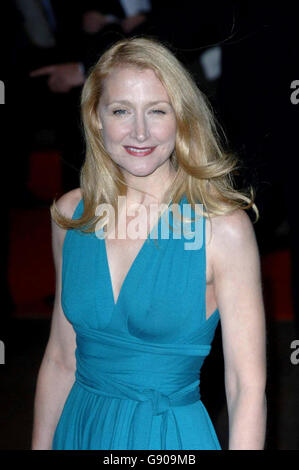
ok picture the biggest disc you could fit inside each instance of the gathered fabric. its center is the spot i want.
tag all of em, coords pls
(128, 358)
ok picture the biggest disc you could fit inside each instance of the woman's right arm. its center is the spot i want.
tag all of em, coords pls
(57, 371)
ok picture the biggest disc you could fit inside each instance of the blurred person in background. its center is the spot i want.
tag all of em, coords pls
(54, 45)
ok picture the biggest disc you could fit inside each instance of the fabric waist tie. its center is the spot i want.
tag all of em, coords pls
(150, 401)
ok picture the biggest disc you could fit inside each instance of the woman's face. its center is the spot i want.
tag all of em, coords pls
(137, 120)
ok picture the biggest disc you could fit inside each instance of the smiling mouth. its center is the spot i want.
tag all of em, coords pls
(139, 151)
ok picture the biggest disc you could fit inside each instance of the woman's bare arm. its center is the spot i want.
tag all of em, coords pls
(57, 370)
(238, 292)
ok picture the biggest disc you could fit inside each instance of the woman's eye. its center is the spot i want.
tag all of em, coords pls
(158, 111)
(119, 112)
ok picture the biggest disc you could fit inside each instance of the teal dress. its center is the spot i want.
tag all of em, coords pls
(139, 360)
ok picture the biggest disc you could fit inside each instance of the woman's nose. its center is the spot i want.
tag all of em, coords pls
(140, 129)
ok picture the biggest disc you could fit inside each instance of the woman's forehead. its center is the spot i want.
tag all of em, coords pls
(130, 80)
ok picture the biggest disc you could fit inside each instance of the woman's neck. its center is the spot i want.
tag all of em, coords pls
(155, 185)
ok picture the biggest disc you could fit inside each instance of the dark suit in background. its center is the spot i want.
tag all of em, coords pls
(37, 107)
(48, 109)
(115, 30)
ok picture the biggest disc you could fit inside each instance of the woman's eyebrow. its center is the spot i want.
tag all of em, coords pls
(126, 102)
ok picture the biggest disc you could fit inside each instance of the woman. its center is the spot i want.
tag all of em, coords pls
(134, 317)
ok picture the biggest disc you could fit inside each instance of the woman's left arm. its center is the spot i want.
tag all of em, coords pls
(238, 291)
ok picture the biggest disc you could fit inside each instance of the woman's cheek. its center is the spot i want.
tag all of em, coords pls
(119, 131)
(166, 132)
(113, 134)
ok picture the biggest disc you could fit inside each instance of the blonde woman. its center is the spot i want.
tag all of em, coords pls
(134, 316)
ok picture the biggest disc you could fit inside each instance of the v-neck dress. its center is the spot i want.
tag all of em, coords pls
(138, 361)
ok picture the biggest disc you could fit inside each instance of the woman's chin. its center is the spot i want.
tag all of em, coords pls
(139, 172)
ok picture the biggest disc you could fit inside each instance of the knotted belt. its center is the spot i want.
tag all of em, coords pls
(116, 367)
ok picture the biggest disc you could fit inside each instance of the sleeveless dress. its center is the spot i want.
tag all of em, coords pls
(137, 361)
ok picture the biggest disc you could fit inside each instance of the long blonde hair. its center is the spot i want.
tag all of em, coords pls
(204, 171)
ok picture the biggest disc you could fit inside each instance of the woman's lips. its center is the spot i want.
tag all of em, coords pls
(139, 151)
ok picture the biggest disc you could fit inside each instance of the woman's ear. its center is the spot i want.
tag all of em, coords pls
(98, 116)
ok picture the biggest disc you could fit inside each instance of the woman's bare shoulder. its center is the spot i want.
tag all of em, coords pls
(232, 232)
(68, 202)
